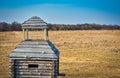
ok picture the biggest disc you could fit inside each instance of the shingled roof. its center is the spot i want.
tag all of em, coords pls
(34, 50)
(34, 23)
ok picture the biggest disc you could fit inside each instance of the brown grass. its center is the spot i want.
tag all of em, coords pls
(84, 54)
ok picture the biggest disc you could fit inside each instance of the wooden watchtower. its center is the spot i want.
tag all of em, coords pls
(34, 23)
(34, 58)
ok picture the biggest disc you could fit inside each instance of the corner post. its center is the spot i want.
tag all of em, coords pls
(46, 34)
(26, 34)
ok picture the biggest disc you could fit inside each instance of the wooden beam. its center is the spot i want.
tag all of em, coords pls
(46, 34)
(24, 34)
(58, 65)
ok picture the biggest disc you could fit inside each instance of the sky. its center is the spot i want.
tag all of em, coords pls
(62, 11)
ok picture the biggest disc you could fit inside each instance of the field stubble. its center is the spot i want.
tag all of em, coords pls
(83, 54)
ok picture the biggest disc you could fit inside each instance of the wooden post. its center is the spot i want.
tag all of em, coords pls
(46, 34)
(24, 33)
(58, 65)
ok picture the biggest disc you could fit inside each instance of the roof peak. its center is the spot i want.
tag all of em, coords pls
(35, 17)
(34, 22)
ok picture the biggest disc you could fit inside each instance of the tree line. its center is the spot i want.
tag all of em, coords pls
(85, 26)
(15, 26)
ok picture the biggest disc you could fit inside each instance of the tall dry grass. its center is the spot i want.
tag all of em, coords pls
(83, 54)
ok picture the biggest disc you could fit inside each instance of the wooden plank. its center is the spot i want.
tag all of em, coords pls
(34, 64)
(34, 50)
(39, 67)
(34, 46)
(48, 63)
(36, 54)
(27, 55)
(33, 70)
(35, 73)
(42, 64)
(18, 76)
(34, 61)
(35, 42)
(31, 58)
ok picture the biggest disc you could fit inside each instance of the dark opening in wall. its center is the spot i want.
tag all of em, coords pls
(33, 66)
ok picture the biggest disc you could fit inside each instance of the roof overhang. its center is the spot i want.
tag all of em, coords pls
(34, 23)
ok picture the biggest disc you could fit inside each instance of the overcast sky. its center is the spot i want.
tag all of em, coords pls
(62, 11)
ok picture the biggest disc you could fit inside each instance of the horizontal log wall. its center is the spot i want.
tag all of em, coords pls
(45, 69)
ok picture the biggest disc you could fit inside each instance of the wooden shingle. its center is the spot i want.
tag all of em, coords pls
(34, 23)
(35, 49)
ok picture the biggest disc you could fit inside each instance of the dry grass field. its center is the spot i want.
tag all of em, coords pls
(84, 54)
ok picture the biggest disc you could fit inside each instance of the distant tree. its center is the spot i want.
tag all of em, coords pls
(1, 27)
(16, 26)
(4, 26)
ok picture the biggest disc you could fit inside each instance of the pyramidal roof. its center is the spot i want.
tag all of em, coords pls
(34, 23)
